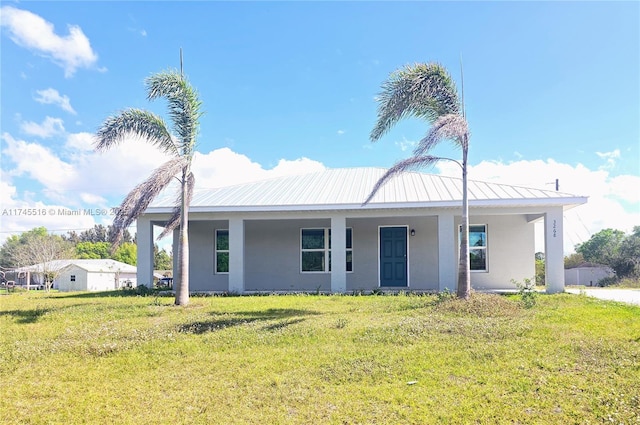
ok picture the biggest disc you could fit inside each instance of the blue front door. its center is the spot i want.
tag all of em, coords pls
(393, 256)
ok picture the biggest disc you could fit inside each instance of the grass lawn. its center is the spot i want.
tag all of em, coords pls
(406, 359)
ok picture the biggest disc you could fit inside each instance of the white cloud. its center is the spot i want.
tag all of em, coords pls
(36, 162)
(49, 127)
(406, 145)
(80, 141)
(224, 167)
(341, 132)
(31, 31)
(610, 157)
(613, 200)
(19, 215)
(52, 97)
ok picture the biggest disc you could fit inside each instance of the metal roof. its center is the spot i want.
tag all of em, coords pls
(349, 187)
(90, 265)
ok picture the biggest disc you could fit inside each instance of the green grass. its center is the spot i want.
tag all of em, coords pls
(407, 359)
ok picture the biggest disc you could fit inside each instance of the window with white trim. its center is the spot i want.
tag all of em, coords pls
(315, 250)
(73, 278)
(477, 247)
(222, 251)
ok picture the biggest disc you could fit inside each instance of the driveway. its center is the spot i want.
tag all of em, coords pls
(630, 296)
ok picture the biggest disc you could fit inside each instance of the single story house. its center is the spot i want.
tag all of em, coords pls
(33, 277)
(312, 233)
(587, 274)
(95, 275)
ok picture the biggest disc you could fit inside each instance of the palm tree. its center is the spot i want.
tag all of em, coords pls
(184, 110)
(427, 91)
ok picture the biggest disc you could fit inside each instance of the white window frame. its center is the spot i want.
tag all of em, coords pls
(72, 278)
(485, 247)
(216, 251)
(326, 250)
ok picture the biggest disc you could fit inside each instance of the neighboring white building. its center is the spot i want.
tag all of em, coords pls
(587, 274)
(312, 233)
(95, 275)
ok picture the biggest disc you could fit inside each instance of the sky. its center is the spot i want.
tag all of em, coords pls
(551, 91)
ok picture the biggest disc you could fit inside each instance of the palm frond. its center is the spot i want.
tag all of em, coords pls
(447, 127)
(413, 163)
(137, 122)
(137, 201)
(184, 105)
(420, 90)
(174, 221)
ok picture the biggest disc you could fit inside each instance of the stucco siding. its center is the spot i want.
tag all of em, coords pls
(422, 252)
(272, 253)
(272, 256)
(510, 251)
(202, 276)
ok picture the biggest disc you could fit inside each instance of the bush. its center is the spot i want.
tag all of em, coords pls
(527, 292)
(608, 281)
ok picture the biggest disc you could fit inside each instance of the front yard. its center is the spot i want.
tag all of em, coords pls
(302, 359)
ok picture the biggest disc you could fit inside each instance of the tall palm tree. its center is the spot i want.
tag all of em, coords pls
(184, 110)
(427, 91)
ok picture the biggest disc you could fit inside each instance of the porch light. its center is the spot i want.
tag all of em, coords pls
(413, 232)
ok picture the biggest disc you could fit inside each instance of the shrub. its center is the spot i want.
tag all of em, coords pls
(527, 292)
(608, 281)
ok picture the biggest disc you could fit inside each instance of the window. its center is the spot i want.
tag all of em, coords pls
(73, 278)
(477, 247)
(316, 250)
(222, 251)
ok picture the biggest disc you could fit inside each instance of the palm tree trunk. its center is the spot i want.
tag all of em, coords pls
(464, 274)
(182, 290)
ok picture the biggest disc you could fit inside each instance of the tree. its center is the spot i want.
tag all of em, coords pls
(573, 260)
(614, 249)
(540, 269)
(161, 259)
(126, 252)
(92, 250)
(44, 252)
(427, 91)
(628, 263)
(99, 233)
(184, 111)
(603, 247)
(10, 250)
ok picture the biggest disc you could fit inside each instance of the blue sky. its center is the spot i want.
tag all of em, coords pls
(552, 90)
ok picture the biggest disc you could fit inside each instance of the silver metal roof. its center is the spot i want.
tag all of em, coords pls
(349, 187)
(90, 265)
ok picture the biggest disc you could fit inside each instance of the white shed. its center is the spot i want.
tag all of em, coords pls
(95, 275)
(587, 274)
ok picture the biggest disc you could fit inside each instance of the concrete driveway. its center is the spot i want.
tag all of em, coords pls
(630, 296)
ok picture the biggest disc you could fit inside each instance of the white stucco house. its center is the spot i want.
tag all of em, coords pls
(312, 233)
(587, 274)
(95, 275)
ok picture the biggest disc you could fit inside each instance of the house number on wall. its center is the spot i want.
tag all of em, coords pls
(555, 230)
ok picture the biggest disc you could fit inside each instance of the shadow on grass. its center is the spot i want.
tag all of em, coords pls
(26, 316)
(284, 317)
(141, 291)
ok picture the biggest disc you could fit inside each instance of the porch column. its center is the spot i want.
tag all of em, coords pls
(144, 239)
(338, 254)
(554, 250)
(236, 255)
(447, 260)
